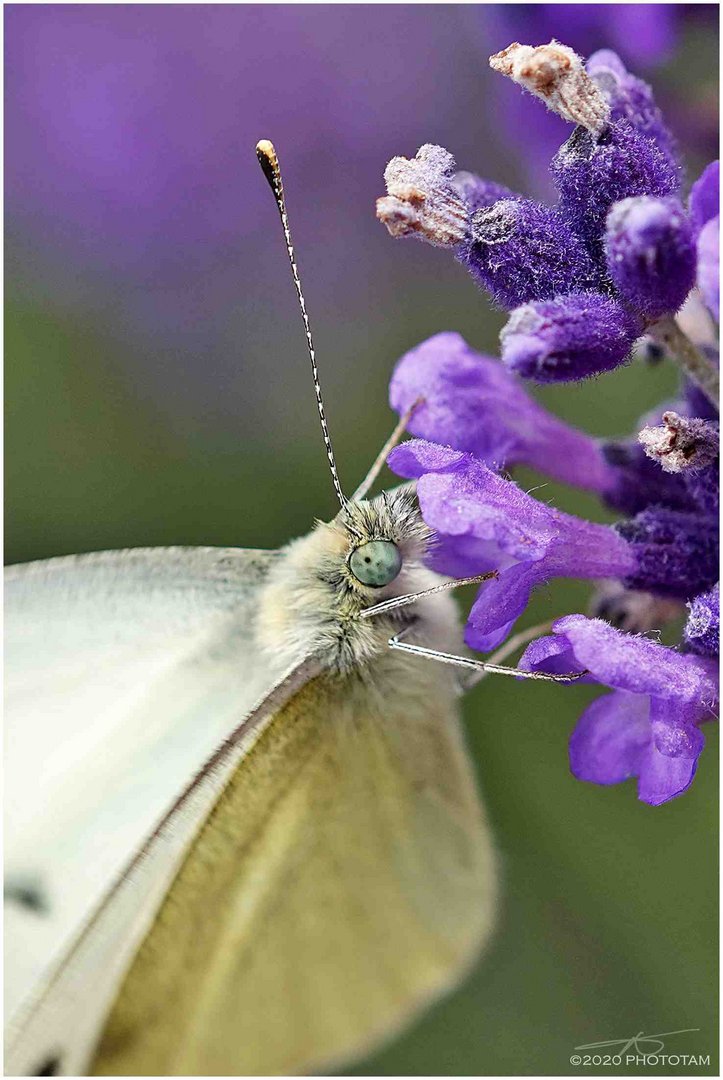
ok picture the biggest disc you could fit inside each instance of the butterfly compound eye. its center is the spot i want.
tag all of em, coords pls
(376, 563)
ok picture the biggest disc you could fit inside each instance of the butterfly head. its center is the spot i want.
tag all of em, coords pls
(385, 536)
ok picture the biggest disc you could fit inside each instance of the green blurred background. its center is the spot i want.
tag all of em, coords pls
(158, 393)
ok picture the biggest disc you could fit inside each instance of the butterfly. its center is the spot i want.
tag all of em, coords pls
(243, 832)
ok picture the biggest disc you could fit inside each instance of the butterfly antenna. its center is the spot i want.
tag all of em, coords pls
(269, 162)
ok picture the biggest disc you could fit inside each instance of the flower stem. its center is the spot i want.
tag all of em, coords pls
(694, 363)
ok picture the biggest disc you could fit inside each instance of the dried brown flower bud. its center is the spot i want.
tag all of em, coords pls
(557, 75)
(681, 442)
(421, 199)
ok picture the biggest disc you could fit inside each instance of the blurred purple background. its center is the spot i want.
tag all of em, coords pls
(132, 192)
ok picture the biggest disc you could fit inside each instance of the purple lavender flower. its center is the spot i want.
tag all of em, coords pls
(651, 255)
(642, 34)
(472, 403)
(593, 172)
(520, 250)
(484, 521)
(632, 100)
(582, 294)
(615, 259)
(649, 727)
(568, 338)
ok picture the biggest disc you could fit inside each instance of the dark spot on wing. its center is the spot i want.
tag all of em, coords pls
(27, 894)
(49, 1067)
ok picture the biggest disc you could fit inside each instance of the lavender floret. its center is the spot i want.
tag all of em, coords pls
(632, 100)
(569, 338)
(484, 521)
(520, 250)
(472, 403)
(617, 258)
(676, 553)
(649, 727)
(651, 254)
(593, 172)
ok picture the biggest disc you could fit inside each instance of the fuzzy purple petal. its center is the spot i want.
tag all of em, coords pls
(551, 654)
(415, 458)
(674, 727)
(637, 664)
(662, 778)
(472, 403)
(462, 498)
(610, 738)
(499, 604)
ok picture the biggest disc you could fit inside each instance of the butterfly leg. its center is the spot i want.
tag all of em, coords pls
(385, 451)
(481, 666)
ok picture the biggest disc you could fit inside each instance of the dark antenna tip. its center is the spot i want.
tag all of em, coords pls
(268, 160)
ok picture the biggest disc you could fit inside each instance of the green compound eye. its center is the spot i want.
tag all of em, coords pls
(376, 563)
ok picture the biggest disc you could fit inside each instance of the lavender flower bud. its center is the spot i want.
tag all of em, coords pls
(676, 552)
(630, 99)
(593, 172)
(702, 630)
(520, 250)
(651, 254)
(570, 337)
(555, 74)
(421, 199)
(477, 193)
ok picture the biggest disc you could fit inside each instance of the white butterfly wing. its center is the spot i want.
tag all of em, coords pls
(124, 671)
(56, 1029)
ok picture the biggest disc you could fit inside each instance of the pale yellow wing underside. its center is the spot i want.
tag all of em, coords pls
(344, 878)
